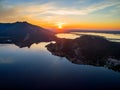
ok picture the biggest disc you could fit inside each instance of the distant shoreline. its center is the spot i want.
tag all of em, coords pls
(95, 31)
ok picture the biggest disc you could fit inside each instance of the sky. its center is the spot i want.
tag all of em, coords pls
(63, 14)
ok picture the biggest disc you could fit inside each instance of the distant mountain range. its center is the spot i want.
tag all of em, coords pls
(22, 32)
(96, 31)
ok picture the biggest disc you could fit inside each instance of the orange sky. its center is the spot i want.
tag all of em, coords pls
(63, 14)
(82, 26)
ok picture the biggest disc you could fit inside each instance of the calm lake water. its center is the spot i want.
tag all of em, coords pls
(36, 68)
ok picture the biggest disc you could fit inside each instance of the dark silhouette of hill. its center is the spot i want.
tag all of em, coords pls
(24, 34)
(88, 49)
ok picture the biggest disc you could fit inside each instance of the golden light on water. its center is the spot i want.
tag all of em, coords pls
(67, 36)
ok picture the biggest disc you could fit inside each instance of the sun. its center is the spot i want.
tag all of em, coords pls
(60, 25)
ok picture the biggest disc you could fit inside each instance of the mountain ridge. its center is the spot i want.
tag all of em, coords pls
(22, 32)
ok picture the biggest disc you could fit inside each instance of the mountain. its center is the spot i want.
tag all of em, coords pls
(22, 32)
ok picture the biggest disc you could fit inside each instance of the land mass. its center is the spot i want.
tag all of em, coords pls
(24, 34)
(88, 50)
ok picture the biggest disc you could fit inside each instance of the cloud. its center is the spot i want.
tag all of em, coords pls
(100, 6)
(7, 12)
(53, 9)
(66, 12)
(82, 10)
(36, 10)
(24, 11)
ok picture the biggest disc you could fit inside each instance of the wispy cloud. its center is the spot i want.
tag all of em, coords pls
(50, 10)
(82, 10)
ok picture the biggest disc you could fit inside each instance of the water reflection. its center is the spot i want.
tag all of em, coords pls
(79, 49)
(67, 35)
(22, 42)
(35, 68)
(90, 50)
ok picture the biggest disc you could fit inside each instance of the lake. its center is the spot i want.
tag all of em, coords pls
(36, 68)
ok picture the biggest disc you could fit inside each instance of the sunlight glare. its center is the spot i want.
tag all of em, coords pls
(60, 25)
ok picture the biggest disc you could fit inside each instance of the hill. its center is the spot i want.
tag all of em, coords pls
(23, 32)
